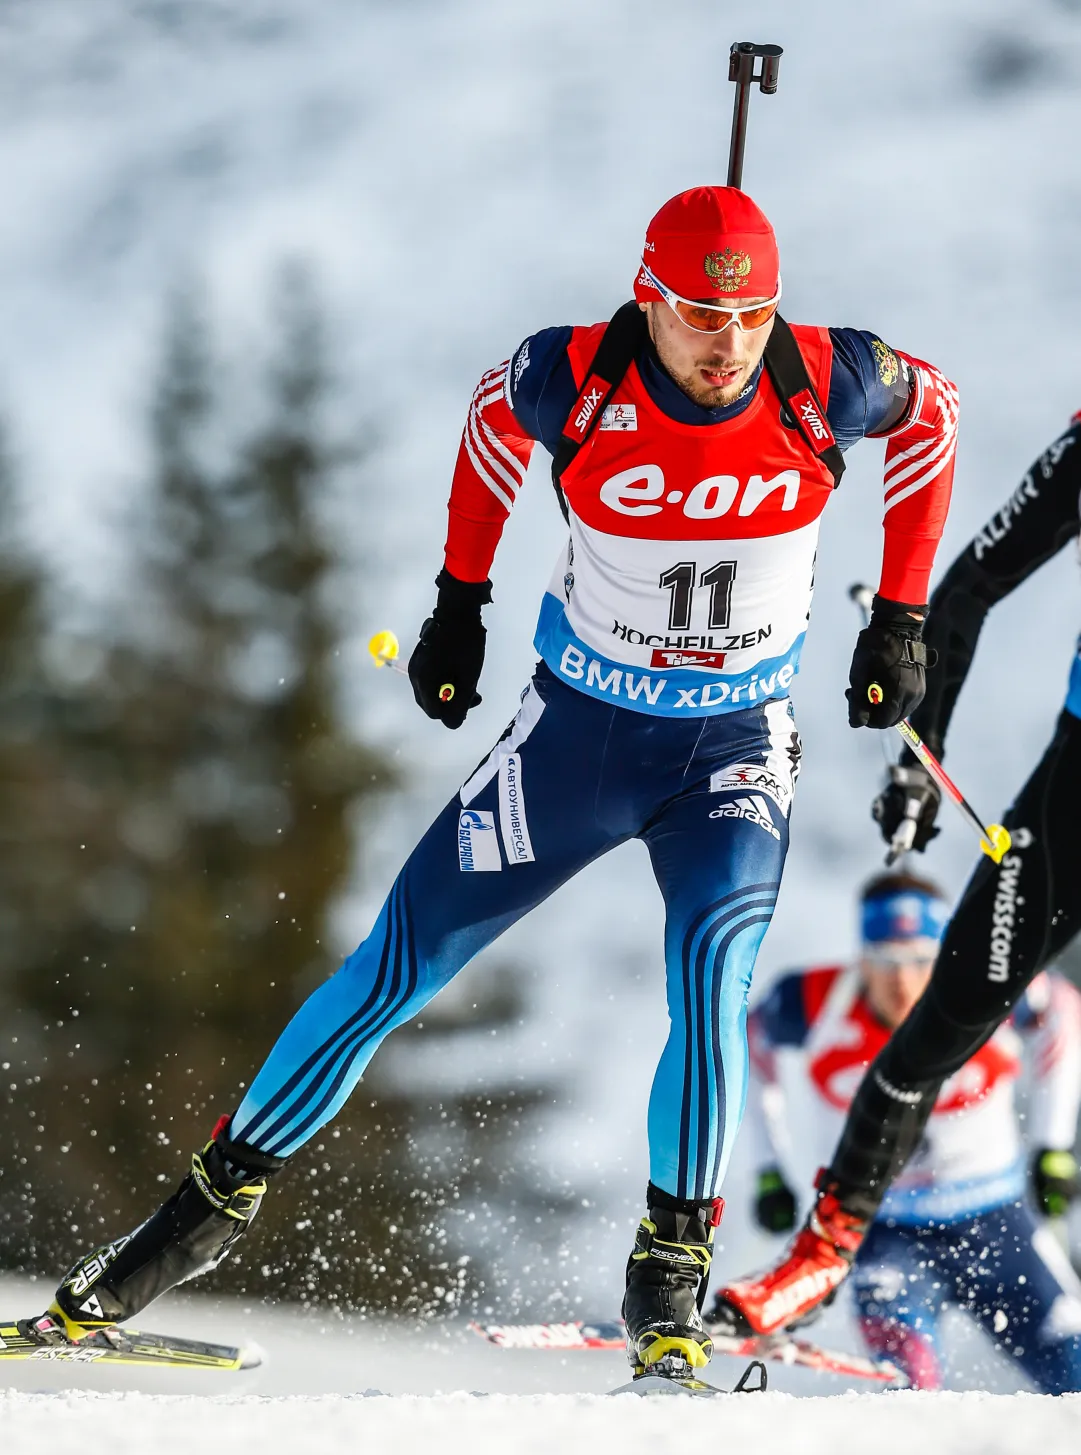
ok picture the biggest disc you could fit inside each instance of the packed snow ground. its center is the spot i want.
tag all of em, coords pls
(315, 1352)
(770, 1424)
(331, 1384)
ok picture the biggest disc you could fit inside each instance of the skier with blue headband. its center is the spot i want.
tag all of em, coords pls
(974, 1185)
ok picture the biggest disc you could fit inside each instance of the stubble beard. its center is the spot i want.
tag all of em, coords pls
(712, 398)
(699, 393)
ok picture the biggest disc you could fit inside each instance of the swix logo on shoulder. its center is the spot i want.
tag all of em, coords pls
(812, 419)
(478, 847)
(587, 404)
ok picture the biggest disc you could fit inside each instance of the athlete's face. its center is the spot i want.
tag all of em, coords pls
(711, 368)
(895, 975)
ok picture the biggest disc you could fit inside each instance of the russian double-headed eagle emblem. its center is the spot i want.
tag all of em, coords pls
(886, 359)
(727, 270)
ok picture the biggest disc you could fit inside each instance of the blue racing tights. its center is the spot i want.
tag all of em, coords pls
(572, 777)
(1002, 1267)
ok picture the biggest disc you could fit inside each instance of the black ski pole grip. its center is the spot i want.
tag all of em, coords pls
(741, 69)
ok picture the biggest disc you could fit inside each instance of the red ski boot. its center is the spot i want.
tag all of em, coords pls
(808, 1275)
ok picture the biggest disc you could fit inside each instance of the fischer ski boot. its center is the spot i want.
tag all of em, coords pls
(666, 1284)
(190, 1234)
(804, 1281)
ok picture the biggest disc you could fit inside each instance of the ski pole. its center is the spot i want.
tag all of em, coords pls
(741, 70)
(994, 838)
(384, 649)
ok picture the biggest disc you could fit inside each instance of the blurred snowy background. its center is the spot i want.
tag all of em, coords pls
(259, 253)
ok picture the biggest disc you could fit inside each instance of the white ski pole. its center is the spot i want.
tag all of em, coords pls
(384, 649)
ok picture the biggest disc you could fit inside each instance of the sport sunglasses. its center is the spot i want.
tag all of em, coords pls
(893, 956)
(707, 317)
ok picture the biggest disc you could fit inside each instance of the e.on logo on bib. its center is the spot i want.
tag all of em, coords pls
(641, 491)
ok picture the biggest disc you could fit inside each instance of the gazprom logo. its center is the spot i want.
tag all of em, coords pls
(478, 846)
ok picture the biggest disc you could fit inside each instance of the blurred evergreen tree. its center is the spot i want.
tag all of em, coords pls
(26, 763)
(178, 814)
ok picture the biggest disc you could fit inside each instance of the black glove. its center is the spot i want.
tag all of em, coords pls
(774, 1202)
(1055, 1181)
(446, 662)
(887, 673)
(910, 793)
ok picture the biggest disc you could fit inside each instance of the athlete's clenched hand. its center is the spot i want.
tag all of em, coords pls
(446, 663)
(1056, 1182)
(887, 674)
(774, 1202)
(910, 793)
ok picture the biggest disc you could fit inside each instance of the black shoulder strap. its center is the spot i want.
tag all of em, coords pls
(788, 372)
(620, 342)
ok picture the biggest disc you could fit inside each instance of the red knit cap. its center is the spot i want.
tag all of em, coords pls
(711, 243)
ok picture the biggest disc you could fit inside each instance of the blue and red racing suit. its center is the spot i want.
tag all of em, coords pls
(955, 1229)
(659, 711)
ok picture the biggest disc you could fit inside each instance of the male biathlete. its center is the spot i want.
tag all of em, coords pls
(696, 440)
(956, 1229)
(1012, 919)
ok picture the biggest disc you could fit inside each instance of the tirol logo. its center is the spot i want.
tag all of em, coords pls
(478, 846)
(727, 270)
(812, 418)
(663, 658)
(588, 403)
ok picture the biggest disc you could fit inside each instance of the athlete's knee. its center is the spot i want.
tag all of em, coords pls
(1050, 1356)
(910, 1349)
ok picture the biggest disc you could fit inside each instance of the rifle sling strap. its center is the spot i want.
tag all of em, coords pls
(801, 407)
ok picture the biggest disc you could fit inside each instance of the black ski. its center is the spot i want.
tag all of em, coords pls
(661, 1382)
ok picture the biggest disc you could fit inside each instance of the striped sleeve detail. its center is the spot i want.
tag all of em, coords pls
(1061, 1026)
(923, 449)
(917, 483)
(792, 1006)
(498, 467)
(816, 985)
(488, 475)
